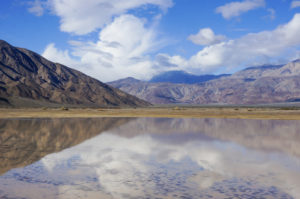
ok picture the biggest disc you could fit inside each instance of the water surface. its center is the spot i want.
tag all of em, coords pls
(149, 158)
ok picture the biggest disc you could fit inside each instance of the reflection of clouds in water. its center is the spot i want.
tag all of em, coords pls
(126, 166)
(163, 158)
(117, 161)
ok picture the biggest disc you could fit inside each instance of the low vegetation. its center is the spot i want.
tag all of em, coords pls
(176, 112)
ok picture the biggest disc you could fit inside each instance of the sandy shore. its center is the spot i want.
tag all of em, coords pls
(243, 113)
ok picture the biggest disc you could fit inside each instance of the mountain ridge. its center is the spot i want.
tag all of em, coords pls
(28, 79)
(256, 85)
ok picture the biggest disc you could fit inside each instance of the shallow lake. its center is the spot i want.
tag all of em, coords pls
(149, 158)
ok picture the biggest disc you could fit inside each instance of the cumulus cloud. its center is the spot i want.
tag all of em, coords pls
(121, 50)
(59, 56)
(116, 55)
(81, 18)
(236, 8)
(295, 4)
(126, 45)
(251, 49)
(36, 8)
(206, 36)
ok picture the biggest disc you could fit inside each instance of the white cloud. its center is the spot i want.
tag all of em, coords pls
(36, 8)
(119, 54)
(121, 51)
(165, 62)
(251, 49)
(116, 55)
(295, 4)
(236, 8)
(80, 17)
(126, 42)
(206, 36)
(59, 56)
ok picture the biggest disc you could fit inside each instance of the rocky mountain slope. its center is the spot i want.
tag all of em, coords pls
(28, 79)
(254, 85)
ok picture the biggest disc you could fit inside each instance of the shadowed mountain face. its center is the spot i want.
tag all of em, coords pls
(255, 85)
(182, 77)
(28, 79)
(25, 141)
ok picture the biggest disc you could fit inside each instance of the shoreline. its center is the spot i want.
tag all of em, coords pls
(170, 112)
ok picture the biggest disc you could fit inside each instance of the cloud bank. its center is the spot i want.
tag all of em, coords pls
(251, 49)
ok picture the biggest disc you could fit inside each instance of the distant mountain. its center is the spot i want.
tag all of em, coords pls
(254, 85)
(182, 77)
(257, 71)
(28, 79)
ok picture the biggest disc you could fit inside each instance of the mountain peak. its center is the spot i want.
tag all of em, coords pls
(131, 79)
(4, 44)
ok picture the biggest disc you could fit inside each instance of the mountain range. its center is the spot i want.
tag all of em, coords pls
(253, 85)
(29, 80)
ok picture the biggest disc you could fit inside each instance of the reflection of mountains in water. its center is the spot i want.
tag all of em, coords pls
(266, 135)
(25, 141)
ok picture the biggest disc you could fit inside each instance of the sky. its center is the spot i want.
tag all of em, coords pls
(113, 39)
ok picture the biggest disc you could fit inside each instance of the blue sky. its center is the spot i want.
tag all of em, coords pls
(112, 39)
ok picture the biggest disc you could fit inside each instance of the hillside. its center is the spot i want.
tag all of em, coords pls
(254, 85)
(29, 80)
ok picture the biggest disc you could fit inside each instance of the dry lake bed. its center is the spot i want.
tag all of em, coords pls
(128, 157)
